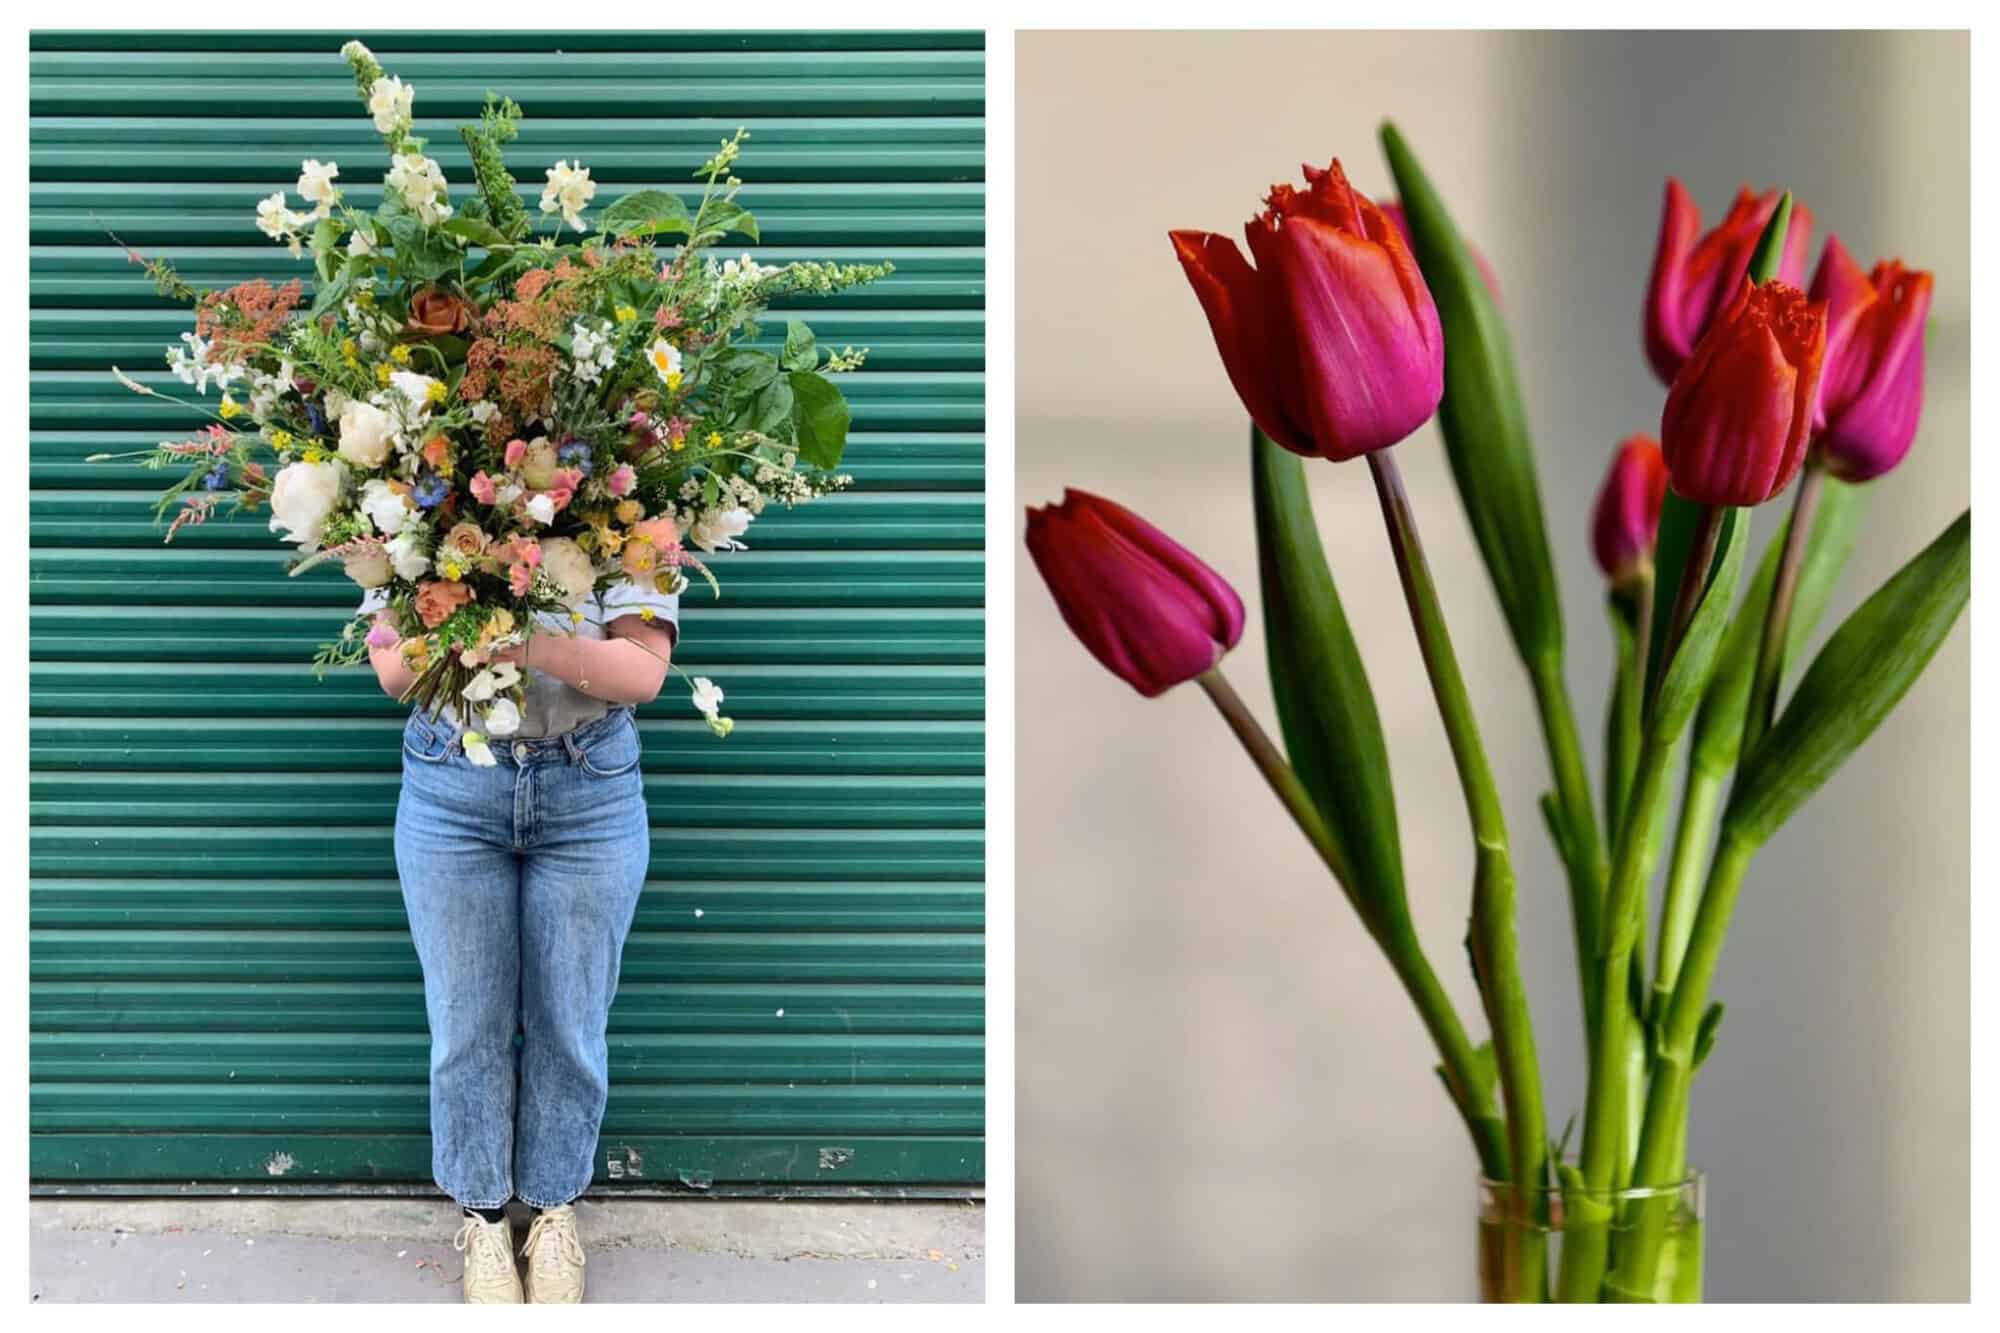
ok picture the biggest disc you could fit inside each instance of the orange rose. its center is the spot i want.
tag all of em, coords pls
(435, 311)
(437, 600)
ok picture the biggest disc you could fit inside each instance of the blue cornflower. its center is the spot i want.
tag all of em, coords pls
(577, 454)
(317, 419)
(217, 478)
(430, 491)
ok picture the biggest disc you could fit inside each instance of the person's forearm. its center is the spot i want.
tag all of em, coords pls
(615, 670)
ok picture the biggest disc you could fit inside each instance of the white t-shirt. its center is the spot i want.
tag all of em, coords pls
(549, 706)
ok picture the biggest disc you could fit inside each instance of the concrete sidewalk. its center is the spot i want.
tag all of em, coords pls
(335, 1250)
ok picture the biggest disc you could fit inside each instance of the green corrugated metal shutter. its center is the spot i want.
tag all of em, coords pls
(223, 988)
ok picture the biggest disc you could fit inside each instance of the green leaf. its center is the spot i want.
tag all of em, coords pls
(1870, 662)
(475, 231)
(745, 369)
(1326, 709)
(1769, 256)
(1704, 1036)
(724, 217)
(1718, 727)
(646, 213)
(1484, 422)
(325, 252)
(1683, 680)
(1622, 713)
(820, 417)
(771, 408)
(801, 350)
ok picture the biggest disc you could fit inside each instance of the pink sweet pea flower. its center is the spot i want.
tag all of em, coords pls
(481, 487)
(622, 480)
(516, 451)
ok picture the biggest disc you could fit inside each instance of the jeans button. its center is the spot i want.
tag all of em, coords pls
(520, 754)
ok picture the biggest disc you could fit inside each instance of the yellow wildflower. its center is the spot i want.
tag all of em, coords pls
(646, 614)
(436, 392)
(281, 439)
(715, 439)
(314, 454)
(382, 372)
(674, 382)
(626, 314)
(452, 570)
(401, 353)
(230, 407)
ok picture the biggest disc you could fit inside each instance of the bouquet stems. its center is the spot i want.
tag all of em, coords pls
(1460, 1063)
(1770, 670)
(1494, 948)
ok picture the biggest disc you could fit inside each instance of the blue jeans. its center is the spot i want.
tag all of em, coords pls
(521, 881)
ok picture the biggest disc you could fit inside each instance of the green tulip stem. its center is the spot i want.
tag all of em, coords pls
(1763, 703)
(1494, 947)
(1694, 579)
(1460, 1060)
(1662, 1140)
(1581, 847)
(1701, 801)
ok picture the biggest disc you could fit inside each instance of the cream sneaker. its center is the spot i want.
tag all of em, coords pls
(555, 1259)
(490, 1276)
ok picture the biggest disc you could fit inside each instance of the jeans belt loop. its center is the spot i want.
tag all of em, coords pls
(569, 744)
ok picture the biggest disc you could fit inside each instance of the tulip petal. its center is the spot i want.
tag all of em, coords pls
(1245, 330)
(1668, 339)
(1369, 341)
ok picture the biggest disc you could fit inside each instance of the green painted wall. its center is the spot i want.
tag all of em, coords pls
(223, 989)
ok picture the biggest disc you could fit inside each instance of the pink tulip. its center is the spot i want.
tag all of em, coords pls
(1394, 210)
(1627, 522)
(1739, 414)
(1145, 607)
(1871, 392)
(1696, 276)
(1332, 341)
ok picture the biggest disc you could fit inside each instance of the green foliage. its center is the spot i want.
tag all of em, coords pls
(1326, 708)
(1681, 681)
(820, 417)
(1868, 664)
(1483, 420)
(646, 213)
(499, 122)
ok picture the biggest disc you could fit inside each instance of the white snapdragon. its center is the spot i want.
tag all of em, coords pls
(708, 702)
(407, 555)
(483, 412)
(570, 188)
(420, 180)
(281, 223)
(385, 507)
(266, 390)
(391, 101)
(718, 529)
(316, 185)
(591, 353)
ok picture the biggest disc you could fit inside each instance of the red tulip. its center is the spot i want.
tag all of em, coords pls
(1143, 605)
(1627, 522)
(1872, 390)
(1694, 279)
(1394, 210)
(1332, 340)
(1739, 415)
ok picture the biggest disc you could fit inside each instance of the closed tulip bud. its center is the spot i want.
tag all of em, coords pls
(1739, 415)
(1332, 340)
(1627, 521)
(1872, 390)
(1145, 607)
(1695, 276)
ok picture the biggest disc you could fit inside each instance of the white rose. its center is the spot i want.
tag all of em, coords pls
(303, 497)
(316, 185)
(365, 434)
(503, 718)
(370, 570)
(390, 102)
(387, 510)
(718, 529)
(406, 554)
(565, 562)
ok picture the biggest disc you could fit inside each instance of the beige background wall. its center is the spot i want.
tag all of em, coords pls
(1222, 1093)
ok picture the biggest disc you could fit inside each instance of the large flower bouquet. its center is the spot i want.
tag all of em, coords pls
(1357, 324)
(488, 427)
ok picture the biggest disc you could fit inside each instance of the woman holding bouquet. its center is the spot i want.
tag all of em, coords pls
(521, 879)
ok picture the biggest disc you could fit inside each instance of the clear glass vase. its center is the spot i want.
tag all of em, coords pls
(1634, 1245)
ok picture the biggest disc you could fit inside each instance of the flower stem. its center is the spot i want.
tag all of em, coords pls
(1455, 1049)
(1582, 850)
(1694, 580)
(1494, 947)
(1763, 701)
(1701, 800)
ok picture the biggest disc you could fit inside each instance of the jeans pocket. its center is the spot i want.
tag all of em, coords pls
(612, 755)
(426, 747)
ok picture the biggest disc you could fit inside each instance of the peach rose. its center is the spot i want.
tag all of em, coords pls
(465, 540)
(437, 600)
(435, 311)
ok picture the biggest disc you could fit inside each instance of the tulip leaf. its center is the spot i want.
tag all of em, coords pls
(1682, 681)
(1484, 422)
(1704, 1036)
(1868, 664)
(1622, 714)
(1769, 256)
(1326, 709)
(1718, 727)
